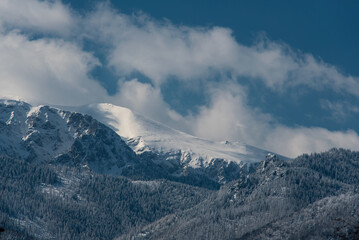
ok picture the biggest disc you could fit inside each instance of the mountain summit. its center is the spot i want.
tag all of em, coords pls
(222, 161)
(129, 145)
(49, 135)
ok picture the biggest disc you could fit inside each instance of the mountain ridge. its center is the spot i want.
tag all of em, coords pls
(174, 147)
(66, 175)
(140, 147)
(46, 134)
(279, 200)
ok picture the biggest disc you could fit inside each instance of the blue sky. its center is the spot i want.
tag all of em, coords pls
(280, 75)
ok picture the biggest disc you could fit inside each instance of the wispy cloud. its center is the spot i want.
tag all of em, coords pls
(160, 50)
(295, 141)
(230, 117)
(46, 71)
(339, 110)
(147, 100)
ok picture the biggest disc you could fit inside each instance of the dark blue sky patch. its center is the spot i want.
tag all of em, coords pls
(185, 97)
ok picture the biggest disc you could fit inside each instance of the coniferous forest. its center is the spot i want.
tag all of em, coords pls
(310, 197)
(65, 175)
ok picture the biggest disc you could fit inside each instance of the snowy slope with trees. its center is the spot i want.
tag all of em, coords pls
(66, 175)
(299, 199)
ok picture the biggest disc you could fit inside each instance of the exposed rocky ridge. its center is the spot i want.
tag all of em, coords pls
(48, 135)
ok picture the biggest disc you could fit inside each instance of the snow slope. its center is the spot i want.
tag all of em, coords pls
(143, 135)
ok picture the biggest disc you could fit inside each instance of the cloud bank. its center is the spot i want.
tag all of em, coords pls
(229, 117)
(160, 50)
(46, 71)
(55, 68)
(45, 16)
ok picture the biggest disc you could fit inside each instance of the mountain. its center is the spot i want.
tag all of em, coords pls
(45, 201)
(180, 153)
(44, 134)
(280, 200)
(62, 176)
(65, 175)
(133, 146)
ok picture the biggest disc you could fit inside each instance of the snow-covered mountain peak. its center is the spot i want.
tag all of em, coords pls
(44, 133)
(47, 134)
(143, 134)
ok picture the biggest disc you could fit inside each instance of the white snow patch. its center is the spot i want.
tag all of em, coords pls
(24, 138)
(8, 122)
(66, 189)
(37, 226)
(34, 111)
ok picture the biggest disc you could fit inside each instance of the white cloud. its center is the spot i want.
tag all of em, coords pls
(229, 117)
(46, 71)
(47, 16)
(160, 50)
(295, 141)
(147, 100)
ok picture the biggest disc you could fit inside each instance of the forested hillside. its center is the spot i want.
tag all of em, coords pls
(311, 197)
(52, 202)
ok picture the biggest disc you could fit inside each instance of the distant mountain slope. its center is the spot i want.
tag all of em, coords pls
(221, 161)
(280, 200)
